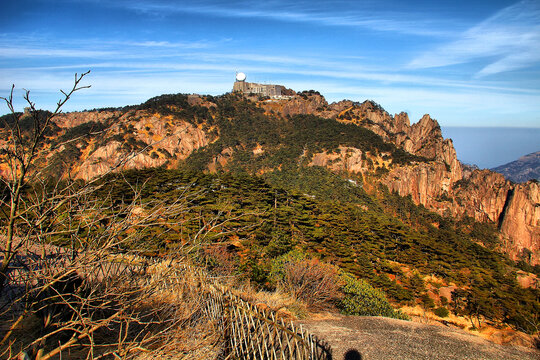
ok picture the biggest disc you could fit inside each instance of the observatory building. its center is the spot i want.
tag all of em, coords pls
(256, 89)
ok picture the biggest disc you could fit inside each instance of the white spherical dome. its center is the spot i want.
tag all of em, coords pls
(240, 76)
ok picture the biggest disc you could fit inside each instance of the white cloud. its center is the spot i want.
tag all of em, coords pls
(224, 64)
(137, 82)
(43, 47)
(332, 14)
(509, 40)
(25, 52)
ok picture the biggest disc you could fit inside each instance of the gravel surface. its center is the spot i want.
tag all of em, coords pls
(377, 338)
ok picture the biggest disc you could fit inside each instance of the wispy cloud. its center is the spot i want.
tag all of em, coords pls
(42, 47)
(25, 52)
(224, 65)
(8, 39)
(509, 40)
(162, 44)
(301, 12)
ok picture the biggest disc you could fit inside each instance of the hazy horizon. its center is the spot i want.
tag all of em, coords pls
(489, 147)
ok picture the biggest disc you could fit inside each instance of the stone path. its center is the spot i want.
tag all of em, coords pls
(377, 338)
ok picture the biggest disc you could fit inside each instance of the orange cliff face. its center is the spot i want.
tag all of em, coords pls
(440, 184)
(520, 220)
(162, 140)
(484, 195)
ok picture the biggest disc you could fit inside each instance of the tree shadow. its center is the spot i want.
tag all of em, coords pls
(352, 354)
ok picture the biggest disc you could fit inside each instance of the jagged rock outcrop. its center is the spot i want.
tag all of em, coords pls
(302, 103)
(482, 194)
(344, 159)
(153, 139)
(372, 116)
(429, 184)
(520, 221)
(69, 120)
(426, 140)
(423, 138)
(440, 184)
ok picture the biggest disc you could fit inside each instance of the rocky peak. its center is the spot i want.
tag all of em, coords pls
(307, 102)
(423, 138)
(425, 129)
(370, 115)
(426, 140)
(402, 122)
(341, 105)
(133, 139)
(69, 120)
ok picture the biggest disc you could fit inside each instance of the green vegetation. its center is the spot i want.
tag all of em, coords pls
(261, 222)
(363, 299)
(253, 222)
(83, 130)
(441, 312)
(242, 126)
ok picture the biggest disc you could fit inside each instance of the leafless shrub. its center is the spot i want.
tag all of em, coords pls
(219, 260)
(82, 300)
(314, 282)
(91, 309)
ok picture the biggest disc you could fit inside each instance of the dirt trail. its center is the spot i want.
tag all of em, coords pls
(377, 338)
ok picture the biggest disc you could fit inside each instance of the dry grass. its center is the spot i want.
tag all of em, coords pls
(284, 304)
(201, 341)
(501, 336)
(315, 283)
(132, 315)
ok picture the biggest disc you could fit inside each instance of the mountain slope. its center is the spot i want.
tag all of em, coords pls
(441, 184)
(231, 132)
(414, 262)
(522, 170)
(323, 178)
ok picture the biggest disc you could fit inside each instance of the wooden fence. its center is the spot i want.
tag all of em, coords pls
(254, 333)
(249, 332)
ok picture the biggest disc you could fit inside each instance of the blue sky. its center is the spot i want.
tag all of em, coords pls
(467, 63)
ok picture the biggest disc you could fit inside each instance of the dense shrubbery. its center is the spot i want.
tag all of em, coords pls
(25, 121)
(297, 206)
(441, 312)
(164, 102)
(363, 299)
(322, 285)
(347, 228)
(84, 129)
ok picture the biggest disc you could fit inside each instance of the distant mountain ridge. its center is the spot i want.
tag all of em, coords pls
(523, 169)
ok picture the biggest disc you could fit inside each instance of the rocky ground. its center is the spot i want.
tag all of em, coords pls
(377, 338)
